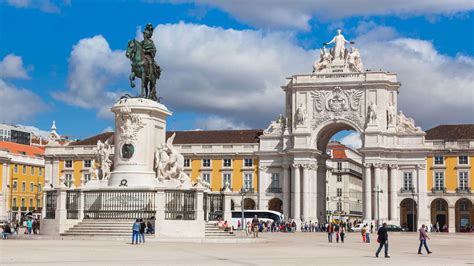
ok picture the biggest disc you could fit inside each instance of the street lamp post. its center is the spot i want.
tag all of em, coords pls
(378, 191)
(243, 192)
(413, 208)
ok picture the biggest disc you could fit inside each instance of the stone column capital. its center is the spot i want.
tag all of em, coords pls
(421, 166)
(394, 166)
(296, 165)
(262, 168)
(367, 165)
(377, 165)
(384, 166)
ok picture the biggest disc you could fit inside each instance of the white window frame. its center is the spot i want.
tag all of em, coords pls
(68, 180)
(32, 170)
(14, 203)
(84, 164)
(40, 171)
(339, 192)
(15, 186)
(224, 179)
(15, 168)
(339, 178)
(245, 162)
(31, 202)
(224, 164)
(435, 183)
(434, 160)
(459, 160)
(408, 176)
(40, 187)
(339, 206)
(23, 186)
(207, 174)
(204, 166)
(187, 163)
(32, 187)
(87, 177)
(275, 177)
(66, 164)
(245, 181)
(466, 185)
(24, 169)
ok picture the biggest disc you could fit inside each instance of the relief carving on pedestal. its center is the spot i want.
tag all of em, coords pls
(337, 104)
(130, 124)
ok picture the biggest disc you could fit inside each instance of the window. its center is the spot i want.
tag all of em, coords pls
(438, 160)
(32, 187)
(15, 186)
(206, 177)
(14, 202)
(87, 178)
(40, 171)
(68, 181)
(227, 163)
(87, 163)
(339, 192)
(38, 203)
(407, 180)
(24, 169)
(40, 188)
(248, 162)
(339, 206)
(32, 170)
(23, 186)
(227, 178)
(187, 163)
(16, 168)
(439, 181)
(463, 159)
(31, 203)
(68, 164)
(206, 162)
(248, 182)
(339, 166)
(275, 180)
(339, 178)
(22, 202)
(463, 179)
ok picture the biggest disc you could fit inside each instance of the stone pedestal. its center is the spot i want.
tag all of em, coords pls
(140, 128)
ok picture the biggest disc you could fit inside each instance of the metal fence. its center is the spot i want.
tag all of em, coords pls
(123, 204)
(216, 207)
(72, 204)
(51, 202)
(180, 205)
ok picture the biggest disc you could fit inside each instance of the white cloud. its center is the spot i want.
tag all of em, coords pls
(93, 69)
(352, 140)
(12, 67)
(18, 104)
(216, 122)
(47, 6)
(233, 77)
(297, 14)
(435, 88)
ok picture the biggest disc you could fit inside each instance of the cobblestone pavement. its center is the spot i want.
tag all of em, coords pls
(278, 249)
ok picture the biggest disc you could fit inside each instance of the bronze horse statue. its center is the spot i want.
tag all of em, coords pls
(142, 68)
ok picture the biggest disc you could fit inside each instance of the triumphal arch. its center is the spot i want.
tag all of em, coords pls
(341, 94)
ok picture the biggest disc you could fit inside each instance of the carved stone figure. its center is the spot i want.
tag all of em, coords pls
(325, 58)
(406, 124)
(142, 56)
(300, 115)
(372, 113)
(169, 163)
(338, 102)
(130, 124)
(103, 152)
(339, 47)
(354, 60)
(391, 115)
(276, 127)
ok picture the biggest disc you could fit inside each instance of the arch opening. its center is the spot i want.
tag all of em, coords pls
(439, 215)
(275, 204)
(409, 214)
(464, 215)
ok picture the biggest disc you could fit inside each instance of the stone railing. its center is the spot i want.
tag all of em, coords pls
(407, 190)
(438, 190)
(274, 190)
(461, 190)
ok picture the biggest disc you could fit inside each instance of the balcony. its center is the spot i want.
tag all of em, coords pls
(31, 208)
(249, 189)
(462, 190)
(409, 190)
(23, 209)
(347, 171)
(438, 190)
(274, 190)
(223, 188)
(15, 208)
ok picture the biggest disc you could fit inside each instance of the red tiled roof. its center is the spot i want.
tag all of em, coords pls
(23, 149)
(195, 137)
(450, 132)
(338, 150)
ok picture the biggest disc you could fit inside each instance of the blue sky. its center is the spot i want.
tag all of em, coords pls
(223, 62)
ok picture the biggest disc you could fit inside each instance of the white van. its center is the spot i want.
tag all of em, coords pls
(262, 215)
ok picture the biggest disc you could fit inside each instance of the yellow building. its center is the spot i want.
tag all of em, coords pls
(22, 177)
(449, 176)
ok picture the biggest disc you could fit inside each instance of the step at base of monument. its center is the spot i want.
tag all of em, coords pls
(102, 228)
(212, 231)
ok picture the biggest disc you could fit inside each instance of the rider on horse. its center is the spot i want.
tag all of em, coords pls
(149, 50)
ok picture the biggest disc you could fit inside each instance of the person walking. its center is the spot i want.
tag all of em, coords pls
(142, 231)
(383, 240)
(362, 232)
(336, 230)
(255, 225)
(29, 225)
(367, 236)
(423, 237)
(135, 231)
(330, 232)
(342, 232)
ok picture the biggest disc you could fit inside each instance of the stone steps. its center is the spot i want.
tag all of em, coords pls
(102, 228)
(212, 231)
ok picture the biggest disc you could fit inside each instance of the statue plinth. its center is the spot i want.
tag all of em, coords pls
(140, 127)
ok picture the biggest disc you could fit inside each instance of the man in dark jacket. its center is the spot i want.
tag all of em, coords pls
(142, 231)
(383, 240)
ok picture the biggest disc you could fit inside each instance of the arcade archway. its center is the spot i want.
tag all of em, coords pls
(464, 215)
(249, 204)
(275, 204)
(408, 214)
(439, 214)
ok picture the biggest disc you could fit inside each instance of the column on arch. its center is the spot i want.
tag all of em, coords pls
(296, 193)
(384, 188)
(423, 211)
(367, 192)
(377, 187)
(321, 190)
(313, 188)
(305, 193)
(394, 177)
(286, 190)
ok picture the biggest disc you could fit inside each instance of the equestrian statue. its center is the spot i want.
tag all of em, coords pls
(142, 57)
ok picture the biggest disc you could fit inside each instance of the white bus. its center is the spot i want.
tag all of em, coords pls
(262, 215)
